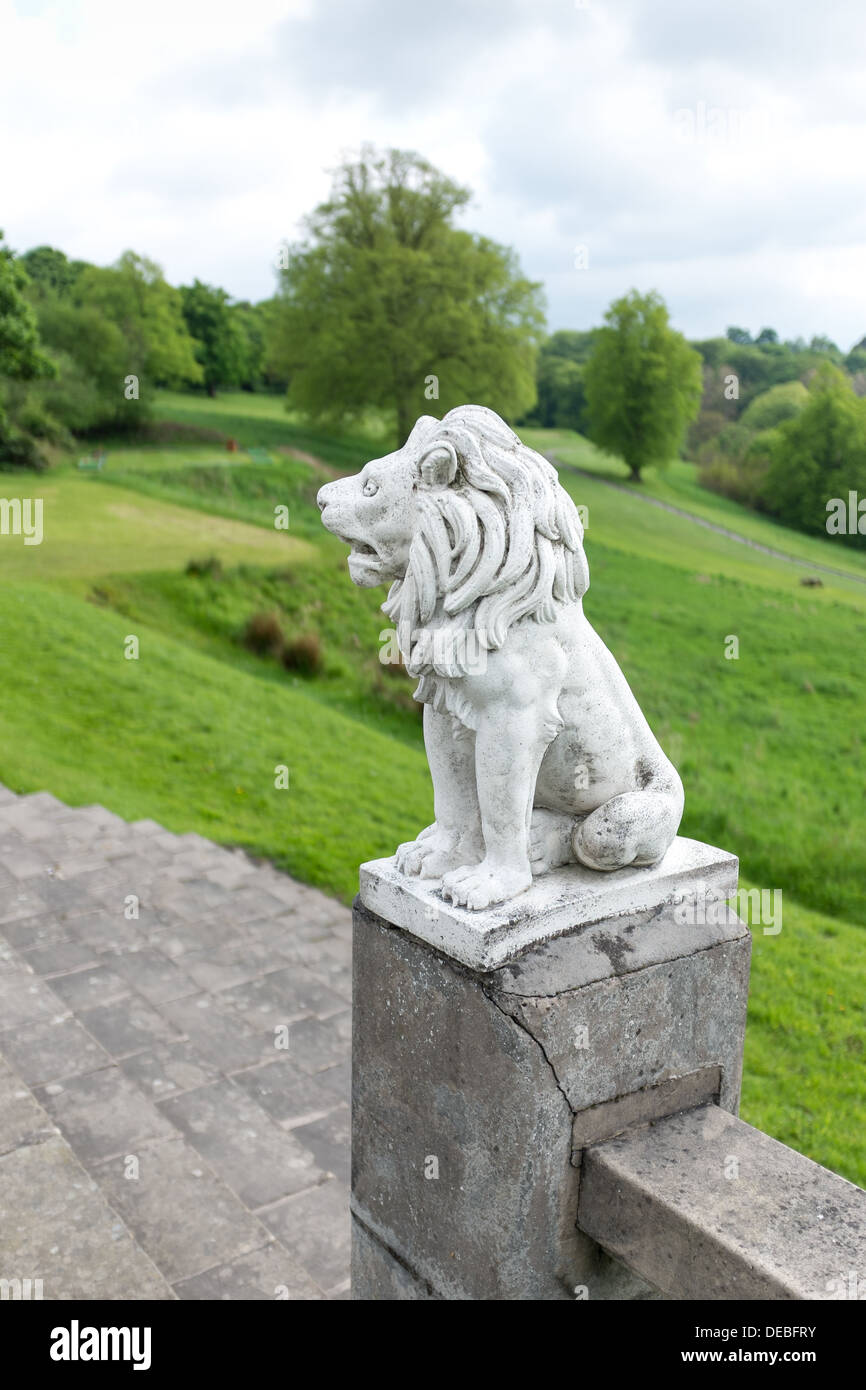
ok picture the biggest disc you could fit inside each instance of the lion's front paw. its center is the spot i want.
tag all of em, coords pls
(477, 886)
(435, 852)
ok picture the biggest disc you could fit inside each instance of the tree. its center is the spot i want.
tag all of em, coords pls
(643, 383)
(250, 319)
(780, 403)
(561, 402)
(50, 271)
(135, 297)
(818, 455)
(387, 304)
(741, 336)
(826, 347)
(567, 342)
(22, 359)
(220, 344)
(561, 394)
(92, 356)
(855, 362)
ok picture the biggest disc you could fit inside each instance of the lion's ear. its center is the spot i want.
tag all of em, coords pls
(438, 468)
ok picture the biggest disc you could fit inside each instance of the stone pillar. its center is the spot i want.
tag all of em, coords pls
(490, 1049)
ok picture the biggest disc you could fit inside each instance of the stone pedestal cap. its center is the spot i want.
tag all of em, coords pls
(567, 900)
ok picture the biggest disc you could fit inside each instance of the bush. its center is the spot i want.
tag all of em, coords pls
(263, 634)
(20, 450)
(772, 407)
(211, 567)
(734, 462)
(818, 455)
(303, 654)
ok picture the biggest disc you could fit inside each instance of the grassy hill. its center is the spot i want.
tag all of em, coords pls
(769, 744)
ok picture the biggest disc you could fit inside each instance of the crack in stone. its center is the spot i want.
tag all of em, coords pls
(430, 1289)
(538, 1043)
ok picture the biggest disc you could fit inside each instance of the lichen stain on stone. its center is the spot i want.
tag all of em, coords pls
(617, 951)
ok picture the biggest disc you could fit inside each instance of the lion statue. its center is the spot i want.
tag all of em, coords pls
(539, 753)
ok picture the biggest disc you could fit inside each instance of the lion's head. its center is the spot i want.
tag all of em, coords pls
(472, 529)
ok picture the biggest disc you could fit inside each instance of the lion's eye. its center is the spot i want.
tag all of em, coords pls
(370, 488)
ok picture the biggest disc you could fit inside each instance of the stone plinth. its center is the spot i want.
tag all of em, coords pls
(490, 1049)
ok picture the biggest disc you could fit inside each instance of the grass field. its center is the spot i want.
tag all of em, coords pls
(769, 744)
(677, 484)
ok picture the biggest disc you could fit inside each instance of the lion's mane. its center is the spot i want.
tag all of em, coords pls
(503, 542)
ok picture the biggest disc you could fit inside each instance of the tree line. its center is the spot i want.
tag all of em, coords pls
(386, 304)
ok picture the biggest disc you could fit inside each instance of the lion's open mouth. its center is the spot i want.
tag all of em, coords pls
(360, 548)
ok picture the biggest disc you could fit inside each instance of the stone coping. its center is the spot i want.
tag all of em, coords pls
(558, 903)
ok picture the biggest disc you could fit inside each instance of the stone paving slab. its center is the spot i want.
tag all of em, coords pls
(174, 1019)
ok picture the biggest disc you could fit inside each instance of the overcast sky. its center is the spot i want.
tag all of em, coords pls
(714, 150)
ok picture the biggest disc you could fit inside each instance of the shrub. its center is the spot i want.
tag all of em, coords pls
(211, 567)
(780, 403)
(20, 450)
(263, 634)
(303, 654)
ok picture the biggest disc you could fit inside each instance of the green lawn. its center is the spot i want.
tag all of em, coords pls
(256, 421)
(769, 745)
(678, 485)
(91, 530)
(193, 741)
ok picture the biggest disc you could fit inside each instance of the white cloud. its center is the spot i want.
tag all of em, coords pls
(714, 153)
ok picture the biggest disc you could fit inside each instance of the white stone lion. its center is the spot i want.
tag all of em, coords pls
(538, 750)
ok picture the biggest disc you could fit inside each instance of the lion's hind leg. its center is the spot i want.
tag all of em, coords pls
(550, 840)
(634, 828)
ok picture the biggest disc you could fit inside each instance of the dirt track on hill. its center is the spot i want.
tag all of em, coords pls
(707, 525)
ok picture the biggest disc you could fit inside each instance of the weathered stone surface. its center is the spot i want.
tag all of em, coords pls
(269, 1273)
(127, 1026)
(69, 958)
(102, 1114)
(706, 1207)
(53, 1051)
(669, 1097)
(55, 1225)
(290, 1096)
(620, 1035)
(328, 1139)
(22, 1120)
(168, 1070)
(377, 1276)
(218, 1033)
(558, 902)
(25, 998)
(315, 1227)
(207, 1224)
(503, 1076)
(443, 1076)
(87, 989)
(260, 1161)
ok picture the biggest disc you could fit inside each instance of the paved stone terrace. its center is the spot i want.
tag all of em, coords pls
(155, 1142)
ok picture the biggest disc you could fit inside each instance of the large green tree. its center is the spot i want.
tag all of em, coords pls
(819, 455)
(51, 271)
(22, 359)
(643, 383)
(386, 303)
(561, 400)
(21, 356)
(134, 295)
(93, 360)
(221, 345)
